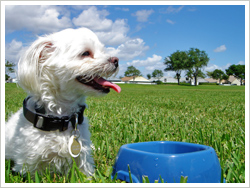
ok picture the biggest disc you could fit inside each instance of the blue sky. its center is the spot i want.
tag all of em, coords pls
(139, 35)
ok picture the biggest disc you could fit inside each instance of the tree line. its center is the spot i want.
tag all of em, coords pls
(9, 68)
(192, 62)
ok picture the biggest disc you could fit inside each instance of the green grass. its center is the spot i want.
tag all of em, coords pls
(210, 115)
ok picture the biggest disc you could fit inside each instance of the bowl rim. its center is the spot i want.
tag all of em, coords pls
(204, 148)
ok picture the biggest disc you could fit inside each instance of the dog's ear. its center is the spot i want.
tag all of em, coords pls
(29, 65)
(46, 52)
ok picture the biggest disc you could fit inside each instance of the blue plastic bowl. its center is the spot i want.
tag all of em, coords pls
(168, 160)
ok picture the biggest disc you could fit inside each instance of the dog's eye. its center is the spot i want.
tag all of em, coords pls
(87, 53)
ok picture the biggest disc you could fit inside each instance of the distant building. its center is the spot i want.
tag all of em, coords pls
(11, 80)
(115, 80)
(199, 80)
(136, 80)
(211, 80)
(231, 80)
(165, 80)
(182, 79)
(234, 81)
(127, 79)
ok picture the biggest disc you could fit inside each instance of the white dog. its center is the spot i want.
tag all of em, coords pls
(58, 71)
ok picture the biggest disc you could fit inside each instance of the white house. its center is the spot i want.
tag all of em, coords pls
(199, 80)
(234, 81)
(115, 80)
(165, 80)
(11, 80)
(231, 80)
(182, 79)
(136, 80)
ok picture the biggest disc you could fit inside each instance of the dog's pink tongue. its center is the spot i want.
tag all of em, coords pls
(106, 83)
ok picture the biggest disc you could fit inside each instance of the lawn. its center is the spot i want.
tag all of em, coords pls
(209, 115)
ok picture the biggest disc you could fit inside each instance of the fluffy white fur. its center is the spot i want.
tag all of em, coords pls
(48, 71)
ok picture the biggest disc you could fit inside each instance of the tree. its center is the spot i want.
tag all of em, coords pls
(237, 71)
(209, 74)
(176, 62)
(225, 77)
(149, 76)
(196, 61)
(189, 76)
(9, 68)
(217, 75)
(157, 74)
(132, 71)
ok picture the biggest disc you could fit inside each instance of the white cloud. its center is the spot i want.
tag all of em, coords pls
(171, 10)
(13, 51)
(241, 63)
(226, 66)
(116, 35)
(148, 63)
(142, 15)
(211, 67)
(170, 21)
(36, 19)
(221, 48)
(173, 74)
(158, 66)
(93, 19)
(109, 32)
(129, 50)
(146, 66)
(122, 9)
(45, 19)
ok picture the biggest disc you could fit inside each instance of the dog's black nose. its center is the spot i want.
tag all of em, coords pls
(114, 60)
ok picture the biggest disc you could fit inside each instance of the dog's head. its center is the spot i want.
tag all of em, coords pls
(67, 64)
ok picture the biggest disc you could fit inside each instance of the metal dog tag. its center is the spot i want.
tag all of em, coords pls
(74, 146)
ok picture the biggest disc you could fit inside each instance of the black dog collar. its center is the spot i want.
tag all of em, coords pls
(52, 123)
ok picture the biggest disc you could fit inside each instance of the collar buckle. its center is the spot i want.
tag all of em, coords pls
(39, 123)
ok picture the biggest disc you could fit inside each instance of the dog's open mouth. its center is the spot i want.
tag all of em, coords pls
(99, 83)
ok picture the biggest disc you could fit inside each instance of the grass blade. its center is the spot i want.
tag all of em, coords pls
(47, 174)
(221, 177)
(130, 176)
(79, 175)
(37, 178)
(145, 179)
(29, 178)
(162, 181)
(100, 175)
(183, 179)
(7, 172)
(72, 177)
(114, 178)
